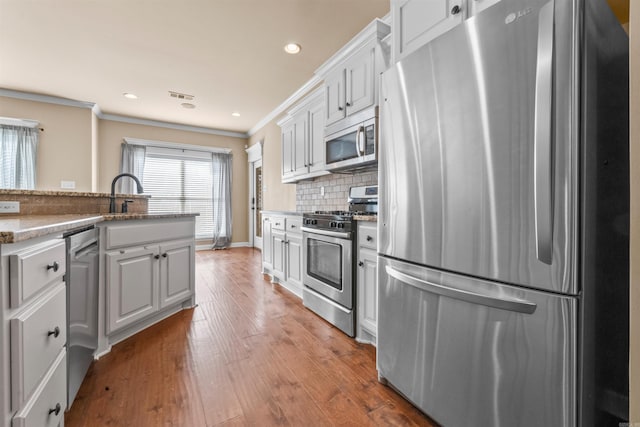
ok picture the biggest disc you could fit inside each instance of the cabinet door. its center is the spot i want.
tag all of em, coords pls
(416, 22)
(132, 281)
(334, 97)
(316, 138)
(177, 265)
(360, 88)
(294, 259)
(287, 150)
(267, 244)
(278, 239)
(300, 140)
(368, 290)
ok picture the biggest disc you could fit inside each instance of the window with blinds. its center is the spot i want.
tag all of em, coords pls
(181, 181)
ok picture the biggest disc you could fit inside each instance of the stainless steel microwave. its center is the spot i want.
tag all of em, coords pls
(354, 144)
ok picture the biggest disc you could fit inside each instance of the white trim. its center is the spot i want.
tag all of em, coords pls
(161, 124)
(114, 117)
(175, 145)
(9, 121)
(233, 245)
(254, 153)
(376, 30)
(296, 96)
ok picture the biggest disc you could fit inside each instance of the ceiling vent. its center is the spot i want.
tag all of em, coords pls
(179, 95)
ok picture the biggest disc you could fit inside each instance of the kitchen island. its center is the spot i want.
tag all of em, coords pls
(144, 272)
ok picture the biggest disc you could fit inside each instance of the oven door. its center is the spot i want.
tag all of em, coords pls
(328, 268)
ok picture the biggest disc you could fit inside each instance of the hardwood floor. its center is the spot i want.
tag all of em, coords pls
(248, 354)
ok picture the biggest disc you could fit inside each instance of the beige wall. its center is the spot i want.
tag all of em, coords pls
(65, 148)
(276, 195)
(111, 133)
(77, 146)
(634, 362)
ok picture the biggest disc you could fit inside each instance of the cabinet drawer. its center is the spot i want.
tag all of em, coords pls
(34, 268)
(368, 236)
(37, 335)
(294, 224)
(46, 407)
(278, 223)
(141, 232)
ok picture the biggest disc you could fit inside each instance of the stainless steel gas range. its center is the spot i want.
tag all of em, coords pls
(329, 259)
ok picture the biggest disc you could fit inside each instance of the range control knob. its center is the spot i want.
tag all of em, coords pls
(314, 221)
(333, 224)
(341, 225)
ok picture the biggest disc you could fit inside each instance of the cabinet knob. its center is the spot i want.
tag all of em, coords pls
(164, 255)
(369, 238)
(55, 333)
(455, 10)
(360, 263)
(348, 104)
(340, 108)
(55, 266)
(157, 256)
(55, 410)
(293, 226)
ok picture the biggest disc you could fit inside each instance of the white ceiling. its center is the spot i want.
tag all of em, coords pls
(227, 53)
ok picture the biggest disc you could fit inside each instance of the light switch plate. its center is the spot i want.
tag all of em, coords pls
(9, 207)
(69, 185)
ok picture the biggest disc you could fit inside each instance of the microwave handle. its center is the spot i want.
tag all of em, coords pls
(360, 135)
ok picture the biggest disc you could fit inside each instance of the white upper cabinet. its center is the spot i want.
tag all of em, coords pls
(416, 22)
(350, 76)
(303, 139)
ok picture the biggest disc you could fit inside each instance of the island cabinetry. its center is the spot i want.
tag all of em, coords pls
(34, 332)
(149, 271)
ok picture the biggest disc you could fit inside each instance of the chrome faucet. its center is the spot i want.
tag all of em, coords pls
(112, 198)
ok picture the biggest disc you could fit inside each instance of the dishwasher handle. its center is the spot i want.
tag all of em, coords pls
(510, 304)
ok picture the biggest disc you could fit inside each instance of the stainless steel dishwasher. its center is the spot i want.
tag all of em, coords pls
(82, 305)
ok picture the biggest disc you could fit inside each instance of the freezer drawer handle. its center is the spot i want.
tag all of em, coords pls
(510, 304)
(542, 185)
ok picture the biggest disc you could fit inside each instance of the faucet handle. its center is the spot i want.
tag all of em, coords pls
(125, 207)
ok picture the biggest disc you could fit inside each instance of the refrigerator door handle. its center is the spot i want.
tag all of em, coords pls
(542, 136)
(510, 304)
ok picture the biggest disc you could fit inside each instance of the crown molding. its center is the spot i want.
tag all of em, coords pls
(296, 96)
(95, 108)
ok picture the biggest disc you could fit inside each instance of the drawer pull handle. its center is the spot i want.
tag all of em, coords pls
(55, 410)
(55, 332)
(55, 266)
(369, 238)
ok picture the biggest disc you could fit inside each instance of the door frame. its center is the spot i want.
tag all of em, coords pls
(254, 155)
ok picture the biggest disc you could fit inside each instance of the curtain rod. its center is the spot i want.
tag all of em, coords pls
(176, 145)
(9, 121)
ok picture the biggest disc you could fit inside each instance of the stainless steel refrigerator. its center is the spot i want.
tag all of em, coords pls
(503, 219)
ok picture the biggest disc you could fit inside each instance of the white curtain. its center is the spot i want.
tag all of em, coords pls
(18, 147)
(221, 194)
(132, 161)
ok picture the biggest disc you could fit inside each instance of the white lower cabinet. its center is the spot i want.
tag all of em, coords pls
(33, 338)
(367, 283)
(147, 277)
(282, 250)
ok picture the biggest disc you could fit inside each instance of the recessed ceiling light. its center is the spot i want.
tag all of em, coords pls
(129, 95)
(235, 114)
(292, 48)
(188, 105)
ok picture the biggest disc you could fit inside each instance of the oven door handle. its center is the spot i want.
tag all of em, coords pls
(339, 234)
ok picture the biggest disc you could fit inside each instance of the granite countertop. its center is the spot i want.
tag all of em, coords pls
(292, 213)
(18, 228)
(368, 218)
(9, 192)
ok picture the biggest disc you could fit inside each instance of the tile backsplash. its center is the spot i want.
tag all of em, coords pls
(309, 196)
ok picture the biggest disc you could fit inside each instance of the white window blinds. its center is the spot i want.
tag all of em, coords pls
(183, 181)
(18, 146)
